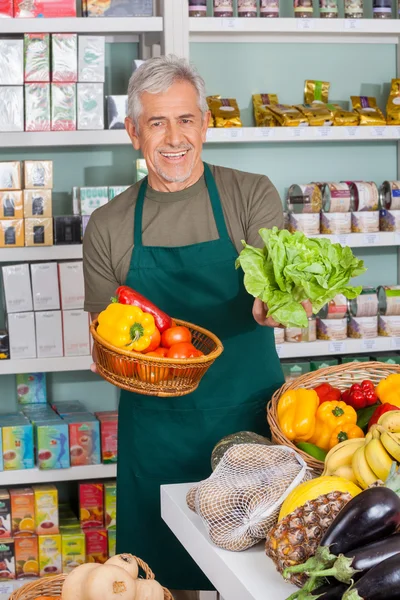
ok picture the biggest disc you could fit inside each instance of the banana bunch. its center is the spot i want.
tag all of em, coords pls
(338, 461)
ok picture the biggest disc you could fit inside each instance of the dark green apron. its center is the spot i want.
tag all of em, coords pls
(170, 440)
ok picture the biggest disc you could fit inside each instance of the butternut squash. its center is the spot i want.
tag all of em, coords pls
(109, 582)
(148, 589)
(125, 561)
(74, 584)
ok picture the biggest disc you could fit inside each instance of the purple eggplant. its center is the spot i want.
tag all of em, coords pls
(329, 591)
(380, 583)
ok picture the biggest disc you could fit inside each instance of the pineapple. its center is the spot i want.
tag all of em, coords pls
(295, 538)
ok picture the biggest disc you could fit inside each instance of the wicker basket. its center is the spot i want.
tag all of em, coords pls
(155, 376)
(52, 586)
(341, 376)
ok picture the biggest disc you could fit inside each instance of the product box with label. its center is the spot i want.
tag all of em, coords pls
(293, 370)
(67, 230)
(322, 363)
(52, 444)
(31, 388)
(21, 331)
(76, 333)
(390, 358)
(96, 545)
(109, 439)
(350, 359)
(115, 190)
(91, 53)
(12, 108)
(4, 345)
(7, 559)
(38, 174)
(38, 203)
(26, 557)
(84, 440)
(22, 511)
(112, 542)
(64, 63)
(72, 289)
(11, 205)
(73, 547)
(117, 110)
(50, 560)
(91, 505)
(12, 234)
(39, 231)
(6, 9)
(68, 407)
(119, 8)
(63, 107)
(5, 513)
(47, 9)
(46, 508)
(17, 288)
(45, 290)
(10, 175)
(91, 198)
(37, 57)
(17, 445)
(37, 107)
(90, 106)
(110, 504)
(49, 334)
(11, 61)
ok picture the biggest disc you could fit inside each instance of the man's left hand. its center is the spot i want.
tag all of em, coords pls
(260, 311)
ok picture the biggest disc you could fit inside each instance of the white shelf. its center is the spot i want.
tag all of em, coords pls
(31, 139)
(364, 240)
(82, 25)
(243, 135)
(348, 346)
(295, 30)
(248, 575)
(45, 365)
(29, 476)
(43, 253)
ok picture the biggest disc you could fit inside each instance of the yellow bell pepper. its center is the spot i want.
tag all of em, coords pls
(296, 414)
(126, 327)
(347, 431)
(388, 390)
(331, 415)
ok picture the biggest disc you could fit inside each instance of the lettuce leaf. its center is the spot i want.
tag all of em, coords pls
(292, 268)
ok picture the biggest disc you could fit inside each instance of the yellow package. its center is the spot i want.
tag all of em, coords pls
(342, 117)
(262, 113)
(211, 122)
(225, 112)
(288, 116)
(368, 110)
(393, 104)
(318, 115)
(316, 91)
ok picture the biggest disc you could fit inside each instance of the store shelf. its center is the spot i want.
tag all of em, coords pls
(364, 240)
(242, 135)
(28, 476)
(82, 25)
(44, 253)
(45, 365)
(295, 30)
(105, 137)
(348, 346)
(249, 575)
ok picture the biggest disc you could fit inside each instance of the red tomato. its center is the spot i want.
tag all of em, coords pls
(175, 335)
(121, 367)
(155, 342)
(153, 374)
(160, 351)
(182, 350)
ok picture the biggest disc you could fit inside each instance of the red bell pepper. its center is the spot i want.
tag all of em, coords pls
(327, 393)
(126, 295)
(379, 411)
(360, 395)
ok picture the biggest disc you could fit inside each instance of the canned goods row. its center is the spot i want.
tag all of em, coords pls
(384, 300)
(312, 224)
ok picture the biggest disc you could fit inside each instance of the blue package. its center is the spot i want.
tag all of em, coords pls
(31, 388)
(52, 444)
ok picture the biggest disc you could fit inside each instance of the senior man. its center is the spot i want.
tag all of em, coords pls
(174, 237)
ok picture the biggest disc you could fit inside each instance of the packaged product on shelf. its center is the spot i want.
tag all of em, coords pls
(90, 106)
(393, 103)
(72, 548)
(38, 174)
(115, 190)
(85, 221)
(4, 355)
(119, 8)
(318, 115)
(49, 334)
(366, 304)
(38, 203)
(389, 195)
(91, 58)
(362, 327)
(46, 295)
(67, 229)
(110, 504)
(91, 198)
(141, 169)
(293, 370)
(17, 288)
(337, 197)
(389, 326)
(91, 505)
(309, 223)
(17, 443)
(11, 108)
(37, 107)
(382, 9)
(389, 299)
(7, 559)
(368, 110)
(226, 112)
(64, 61)
(44, 8)
(335, 309)
(262, 114)
(21, 331)
(323, 363)
(71, 406)
(11, 205)
(72, 291)
(342, 117)
(6, 8)
(353, 9)
(389, 220)
(328, 9)
(390, 358)
(22, 511)
(26, 557)
(96, 545)
(365, 222)
(117, 110)
(112, 542)
(5, 513)
(269, 8)
(12, 234)
(39, 231)
(50, 561)
(76, 333)
(316, 91)
(37, 57)
(46, 508)
(63, 107)
(303, 8)
(223, 8)
(247, 8)
(197, 8)
(299, 334)
(84, 439)
(288, 116)
(336, 223)
(31, 388)
(365, 195)
(279, 335)
(10, 175)
(304, 198)
(109, 439)
(11, 61)
(331, 329)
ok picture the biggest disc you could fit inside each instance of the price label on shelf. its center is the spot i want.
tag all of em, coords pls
(297, 132)
(230, 23)
(323, 132)
(367, 345)
(279, 349)
(264, 132)
(352, 24)
(370, 239)
(210, 133)
(352, 132)
(379, 131)
(397, 238)
(305, 24)
(396, 343)
(6, 589)
(233, 133)
(342, 239)
(337, 347)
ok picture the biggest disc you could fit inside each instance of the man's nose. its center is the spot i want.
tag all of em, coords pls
(174, 136)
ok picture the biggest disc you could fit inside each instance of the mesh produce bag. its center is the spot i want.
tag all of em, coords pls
(239, 503)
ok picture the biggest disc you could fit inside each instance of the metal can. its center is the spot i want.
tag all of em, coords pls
(279, 334)
(366, 195)
(362, 327)
(389, 326)
(223, 8)
(332, 329)
(337, 197)
(309, 224)
(197, 8)
(302, 334)
(365, 222)
(303, 8)
(389, 220)
(247, 8)
(269, 8)
(389, 195)
(389, 299)
(304, 198)
(382, 9)
(366, 304)
(328, 9)
(335, 309)
(353, 9)
(339, 223)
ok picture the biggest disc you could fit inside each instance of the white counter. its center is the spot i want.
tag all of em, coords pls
(248, 575)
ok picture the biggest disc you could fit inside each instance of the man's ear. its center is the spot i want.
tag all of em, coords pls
(132, 132)
(204, 126)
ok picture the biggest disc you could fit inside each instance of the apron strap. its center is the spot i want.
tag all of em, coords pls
(215, 205)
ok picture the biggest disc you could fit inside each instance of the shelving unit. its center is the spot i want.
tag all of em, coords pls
(28, 476)
(348, 346)
(45, 365)
(41, 253)
(82, 25)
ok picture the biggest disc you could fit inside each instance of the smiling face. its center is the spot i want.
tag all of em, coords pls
(170, 135)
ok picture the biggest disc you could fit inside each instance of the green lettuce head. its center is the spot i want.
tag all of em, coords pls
(292, 268)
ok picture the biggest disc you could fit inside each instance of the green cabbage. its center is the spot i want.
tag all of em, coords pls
(292, 268)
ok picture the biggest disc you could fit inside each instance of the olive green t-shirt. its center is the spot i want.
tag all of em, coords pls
(249, 202)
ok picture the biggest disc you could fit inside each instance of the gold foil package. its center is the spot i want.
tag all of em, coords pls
(288, 116)
(262, 109)
(368, 110)
(209, 99)
(226, 112)
(318, 115)
(342, 117)
(393, 104)
(316, 91)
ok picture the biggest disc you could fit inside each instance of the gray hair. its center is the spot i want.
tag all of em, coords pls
(156, 75)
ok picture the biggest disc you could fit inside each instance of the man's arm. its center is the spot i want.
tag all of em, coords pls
(93, 317)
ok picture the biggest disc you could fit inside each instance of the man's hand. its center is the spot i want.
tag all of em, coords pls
(260, 311)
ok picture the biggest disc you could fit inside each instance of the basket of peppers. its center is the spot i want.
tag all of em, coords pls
(140, 348)
(321, 409)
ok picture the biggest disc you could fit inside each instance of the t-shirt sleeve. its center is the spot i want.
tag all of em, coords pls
(100, 280)
(265, 210)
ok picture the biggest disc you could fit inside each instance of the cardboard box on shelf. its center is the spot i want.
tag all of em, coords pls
(73, 547)
(90, 105)
(26, 557)
(117, 110)
(96, 545)
(4, 348)
(91, 57)
(72, 290)
(76, 333)
(110, 504)
(11, 205)
(63, 106)
(39, 231)
(12, 108)
(37, 107)
(44, 8)
(37, 57)
(46, 508)
(7, 559)
(84, 440)
(22, 511)
(109, 439)
(45, 290)
(10, 175)
(5, 513)
(52, 444)
(322, 363)
(292, 370)
(119, 8)
(12, 233)
(17, 288)
(21, 331)
(6, 8)
(67, 229)
(50, 560)
(17, 444)
(11, 61)
(91, 505)
(91, 198)
(64, 57)
(38, 203)
(38, 174)
(31, 389)
(49, 334)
